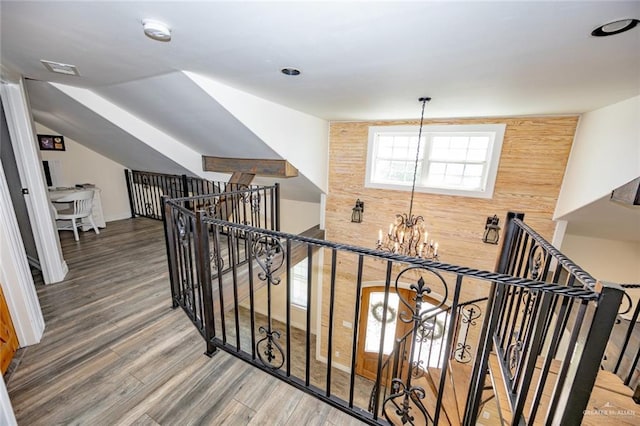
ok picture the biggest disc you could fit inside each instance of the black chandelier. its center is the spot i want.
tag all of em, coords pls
(407, 234)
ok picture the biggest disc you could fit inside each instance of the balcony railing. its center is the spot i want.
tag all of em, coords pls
(146, 190)
(391, 358)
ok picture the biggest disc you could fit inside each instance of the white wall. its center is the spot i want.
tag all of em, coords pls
(300, 138)
(605, 155)
(82, 165)
(607, 260)
(298, 216)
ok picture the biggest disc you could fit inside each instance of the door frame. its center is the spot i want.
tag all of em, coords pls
(21, 129)
(401, 327)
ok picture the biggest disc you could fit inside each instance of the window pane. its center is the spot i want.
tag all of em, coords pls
(382, 170)
(375, 319)
(479, 142)
(385, 151)
(440, 142)
(431, 350)
(471, 182)
(459, 142)
(456, 160)
(476, 155)
(437, 168)
(473, 170)
(299, 280)
(455, 169)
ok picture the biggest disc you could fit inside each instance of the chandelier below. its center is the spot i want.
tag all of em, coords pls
(407, 234)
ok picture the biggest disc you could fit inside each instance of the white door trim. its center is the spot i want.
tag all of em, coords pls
(6, 412)
(21, 130)
(15, 276)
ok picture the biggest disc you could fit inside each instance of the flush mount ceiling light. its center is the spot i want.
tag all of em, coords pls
(615, 27)
(60, 68)
(290, 71)
(156, 30)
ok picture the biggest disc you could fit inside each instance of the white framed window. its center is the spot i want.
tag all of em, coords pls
(299, 280)
(453, 159)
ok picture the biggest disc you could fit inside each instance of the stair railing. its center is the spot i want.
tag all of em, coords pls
(429, 340)
(146, 189)
(623, 353)
(527, 330)
(256, 206)
(245, 310)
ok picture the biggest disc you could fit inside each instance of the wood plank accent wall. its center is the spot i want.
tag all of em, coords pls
(532, 164)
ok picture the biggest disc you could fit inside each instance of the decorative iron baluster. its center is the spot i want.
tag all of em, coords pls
(215, 259)
(514, 355)
(405, 399)
(269, 254)
(468, 316)
(182, 229)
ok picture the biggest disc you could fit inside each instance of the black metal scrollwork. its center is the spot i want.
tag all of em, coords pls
(514, 354)
(269, 255)
(405, 398)
(403, 409)
(468, 315)
(215, 260)
(182, 229)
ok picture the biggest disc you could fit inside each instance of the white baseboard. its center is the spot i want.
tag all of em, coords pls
(117, 216)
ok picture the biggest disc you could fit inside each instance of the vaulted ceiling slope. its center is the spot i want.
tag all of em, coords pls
(176, 106)
(68, 117)
(111, 137)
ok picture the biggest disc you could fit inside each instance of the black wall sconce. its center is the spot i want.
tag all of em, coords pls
(356, 214)
(491, 230)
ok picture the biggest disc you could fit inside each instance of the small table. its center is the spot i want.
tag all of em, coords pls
(96, 211)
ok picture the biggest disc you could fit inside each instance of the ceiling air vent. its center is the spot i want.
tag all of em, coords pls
(628, 193)
(60, 68)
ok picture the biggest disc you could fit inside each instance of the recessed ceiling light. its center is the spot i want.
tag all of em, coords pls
(290, 71)
(615, 27)
(156, 30)
(60, 68)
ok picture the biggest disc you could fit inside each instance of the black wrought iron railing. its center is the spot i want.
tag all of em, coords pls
(427, 346)
(256, 207)
(235, 281)
(532, 330)
(146, 190)
(623, 352)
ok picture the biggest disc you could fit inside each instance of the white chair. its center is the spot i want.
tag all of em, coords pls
(80, 205)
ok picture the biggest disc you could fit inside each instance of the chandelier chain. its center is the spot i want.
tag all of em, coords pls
(415, 166)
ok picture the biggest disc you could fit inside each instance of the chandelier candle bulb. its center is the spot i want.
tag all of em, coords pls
(379, 236)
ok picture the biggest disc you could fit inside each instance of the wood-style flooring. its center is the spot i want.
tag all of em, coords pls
(114, 352)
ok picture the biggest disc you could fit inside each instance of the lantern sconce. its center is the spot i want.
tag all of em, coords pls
(491, 230)
(356, 214)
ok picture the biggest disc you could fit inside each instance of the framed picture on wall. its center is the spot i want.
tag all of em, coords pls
(51, 142)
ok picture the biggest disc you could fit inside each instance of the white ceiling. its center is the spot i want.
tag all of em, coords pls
(360, 60)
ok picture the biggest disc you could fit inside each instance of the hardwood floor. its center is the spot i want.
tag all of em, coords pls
(114, 352)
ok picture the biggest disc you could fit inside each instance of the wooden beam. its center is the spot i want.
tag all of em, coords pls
(236, 182)
(261, 167)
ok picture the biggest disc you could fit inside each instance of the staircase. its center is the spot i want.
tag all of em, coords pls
(609, 397)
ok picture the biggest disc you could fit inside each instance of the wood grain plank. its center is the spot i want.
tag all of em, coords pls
(114, 352)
